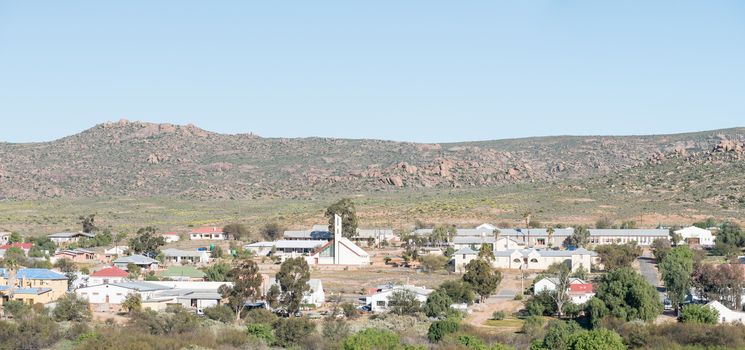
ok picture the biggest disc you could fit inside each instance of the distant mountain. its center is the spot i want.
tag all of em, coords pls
(143, 159)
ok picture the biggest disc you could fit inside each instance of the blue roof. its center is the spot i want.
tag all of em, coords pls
(35, 274)
(34, 291)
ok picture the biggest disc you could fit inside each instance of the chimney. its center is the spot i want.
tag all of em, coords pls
(337, 237)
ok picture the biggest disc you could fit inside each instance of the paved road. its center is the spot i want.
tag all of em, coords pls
(649, 270)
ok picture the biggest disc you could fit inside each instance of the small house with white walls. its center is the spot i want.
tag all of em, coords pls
(725, 314)
(142, 261)
(207, 233)
(179, 256)
(696, 236)
(170, 237)
(578, 290)
(380, 300)
(529, 259)
(108, 275)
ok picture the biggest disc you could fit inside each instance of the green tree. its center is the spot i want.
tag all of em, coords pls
(134, 271)
(344, 208)
(218, 272)
(596, 339)
(237, 231)
(676, 270)
(132, 303)
(372, 339)
(695, 313)
(403, 302)
(147, 242)
(246, 287)
(261, 331)
(272, 231)
(438, 304)
(580, 237)
(70, 307)
(69, 269)
(614, 256)
(293, 277)
(603, 223)
(533, 326)
(627, 295)
(660, 248)
(482, 278)
(595, 310)
(442, 234)
(486, 252)
(558, 334)
(290, 331)
(15, 237)
(439, 329)
(222, 313)
(273, 295)
(88, 223)
(458, 291)
(432, 263)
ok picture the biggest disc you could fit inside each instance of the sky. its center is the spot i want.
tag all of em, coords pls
(408, 70)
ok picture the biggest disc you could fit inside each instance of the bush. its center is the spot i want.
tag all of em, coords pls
(372, 339)
(596, 339)
(698, 314)
(72, 308)
(261, 331)
(232, 337)
(498, 315)
(262, 316)
(439, 329)
(17, 309)
(533, 326)
(558, 334)
(518, 296)
(221, 313)
(290, 331)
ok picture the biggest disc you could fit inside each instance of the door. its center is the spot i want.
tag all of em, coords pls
(107, 298)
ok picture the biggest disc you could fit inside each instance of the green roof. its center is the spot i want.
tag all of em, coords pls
(182, 271)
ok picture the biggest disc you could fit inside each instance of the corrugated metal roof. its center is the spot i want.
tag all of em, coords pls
(135, 259)
(36, 274)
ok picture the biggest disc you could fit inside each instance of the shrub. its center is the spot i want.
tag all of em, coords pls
(17, 309)
(372, 339)
(596, 339)
(558, 334)
(232, 337)
(498, 315)
(533, 326)
(518, 296)
(262, 316)
(72, 308)
(439, 329)
(221, 313)
(698, 314)
(261, 331)
(290, 331)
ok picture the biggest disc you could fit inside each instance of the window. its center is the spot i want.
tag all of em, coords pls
(95, 293)
(534, 260)
(516, 260)
(380, 303)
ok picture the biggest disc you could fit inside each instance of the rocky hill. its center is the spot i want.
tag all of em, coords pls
(144, 159)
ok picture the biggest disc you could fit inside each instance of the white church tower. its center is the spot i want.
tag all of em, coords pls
(337, 237)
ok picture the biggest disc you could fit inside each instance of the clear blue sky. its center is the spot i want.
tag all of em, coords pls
(400, 69)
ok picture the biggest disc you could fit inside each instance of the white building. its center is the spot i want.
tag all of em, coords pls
(475, 242)
(578, 290)
(376, 235)
(529, 259)
(642, 237)
(260, 248)
(726, 315)
(115, 251)
(380, 301)
(695, 236)
(170, 237)
(207, 233)
(69, 237)
(155, 295)
(140, 260)
(107, 275)
(178, 256)
(315, 296)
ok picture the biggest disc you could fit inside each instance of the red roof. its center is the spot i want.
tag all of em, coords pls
(170, 233)
(110, 272)
(580, 288)
(24, 246)
(206, 230)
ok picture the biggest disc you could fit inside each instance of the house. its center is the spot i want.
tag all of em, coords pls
(475, 242)
(374, 235)
(380, 300)
(23, 246)
(529, 259)
(108, 275)
(642, 237)
(29, 296)
(259, 248)
(695, 236)
(537, 237)
(140, 260)
(76, 255)
(178, 256)
(63, 238)
(726, 315)
(182, 273)
(155, 295)
(110, 296)
(5, 237)
(41, 285)
(170, 237)
(315, 296)
(115, 251)
(207, 233)
(578, 290)
(316, 232)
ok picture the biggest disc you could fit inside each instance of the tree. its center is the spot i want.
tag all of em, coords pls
(290, 331)
(550, 233)
(147, 242)
(345, 209)
(559, 295)
(272, 231)
(581, 273)
(614, 256)
(272, 295)
(676, 269)
(293, 279)
(482, 278)
(486, 253)
(660, 248)
(15, 237)
(442, 234)
(372, 338)
(134, 271)
(603, 223)
(532, 326)
(458, 291)
(88, 223)
(439, 329)
(237, 231)
(596, 339)
(246, 287)
(218, 272)
(261, 331)
(595, 310)
(431, 262)
(70, 307)
(69, 269)
(627, 225)
(16, 254)
(723, 283)
(580, 237)
(403, 302)
(558, 334)
(132, 302)
(438, 304)
(694, 313)
(627, 295)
